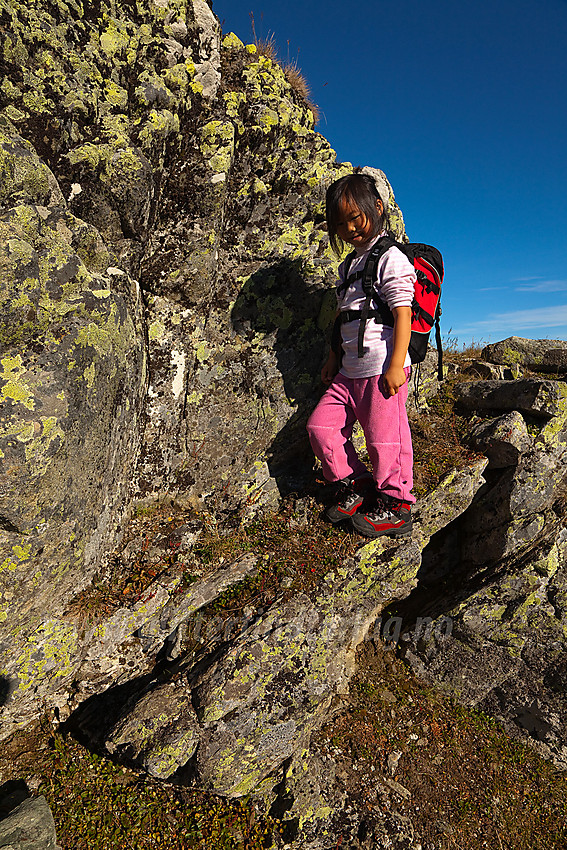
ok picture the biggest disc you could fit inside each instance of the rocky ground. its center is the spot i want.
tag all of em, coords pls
(394, 763)
(410, 769)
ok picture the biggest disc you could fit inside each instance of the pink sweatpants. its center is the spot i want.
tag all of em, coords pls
(384, 421)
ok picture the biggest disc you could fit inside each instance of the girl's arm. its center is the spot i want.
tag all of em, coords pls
(331, 367)
(394, 376)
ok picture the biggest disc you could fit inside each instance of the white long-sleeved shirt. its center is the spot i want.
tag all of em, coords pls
(395, 284)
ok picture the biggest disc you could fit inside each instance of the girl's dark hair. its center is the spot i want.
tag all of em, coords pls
(359, 189)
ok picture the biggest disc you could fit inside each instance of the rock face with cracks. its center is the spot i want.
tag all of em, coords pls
(165, 296)
(499, 576)
(72, 389)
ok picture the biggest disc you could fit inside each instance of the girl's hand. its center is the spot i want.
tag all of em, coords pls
(330, 368)
(394, 378)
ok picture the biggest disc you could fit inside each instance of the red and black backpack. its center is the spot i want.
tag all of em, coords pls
(426, 307)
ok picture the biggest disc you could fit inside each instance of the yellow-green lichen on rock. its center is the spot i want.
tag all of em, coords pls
(276, 681)
(71, 386)
(22, 175)
(48, 654)
(217, 145)
(132, 160)
(161, 732)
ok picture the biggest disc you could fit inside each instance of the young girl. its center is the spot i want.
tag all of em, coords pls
(372, 389)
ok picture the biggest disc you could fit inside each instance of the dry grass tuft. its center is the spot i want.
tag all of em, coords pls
(267, 47)
(439, 443)
(299, 84)
(264, 46)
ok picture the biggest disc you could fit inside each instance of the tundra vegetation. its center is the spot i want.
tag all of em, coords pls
(189, 655)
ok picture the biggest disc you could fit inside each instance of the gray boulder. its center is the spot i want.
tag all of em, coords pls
(502, 440)
(488, 371)
(541, 398)
(161, 732)
(515, 506)
(541, 355)
(29, 827)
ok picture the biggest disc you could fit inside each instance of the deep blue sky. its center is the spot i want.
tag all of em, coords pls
(464, 107)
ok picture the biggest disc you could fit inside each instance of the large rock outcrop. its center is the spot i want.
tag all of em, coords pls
(163, 299)
(72, 390)
(476, 601)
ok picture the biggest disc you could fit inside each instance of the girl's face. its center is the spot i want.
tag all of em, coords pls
(353, 226)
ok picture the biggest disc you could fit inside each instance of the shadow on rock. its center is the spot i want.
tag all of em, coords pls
(90, 722)
(462, 558)
(6, 688)
(471, 562)
(280, 305)
(12, 793)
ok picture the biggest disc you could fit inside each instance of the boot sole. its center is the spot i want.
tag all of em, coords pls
(404, 531)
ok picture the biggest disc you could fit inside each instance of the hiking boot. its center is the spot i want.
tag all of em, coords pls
(389, 516)
(348, 498)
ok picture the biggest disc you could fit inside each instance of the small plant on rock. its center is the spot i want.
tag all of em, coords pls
(296, 79)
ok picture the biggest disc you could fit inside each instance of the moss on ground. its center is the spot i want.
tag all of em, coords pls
(98, 805)
(460, 779)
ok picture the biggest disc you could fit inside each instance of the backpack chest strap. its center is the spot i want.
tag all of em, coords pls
(381, 314)
(368, 276)
(353, 315)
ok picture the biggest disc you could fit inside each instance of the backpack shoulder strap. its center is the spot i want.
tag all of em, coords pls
(371, 265)
(368, 285)
(344, 279)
